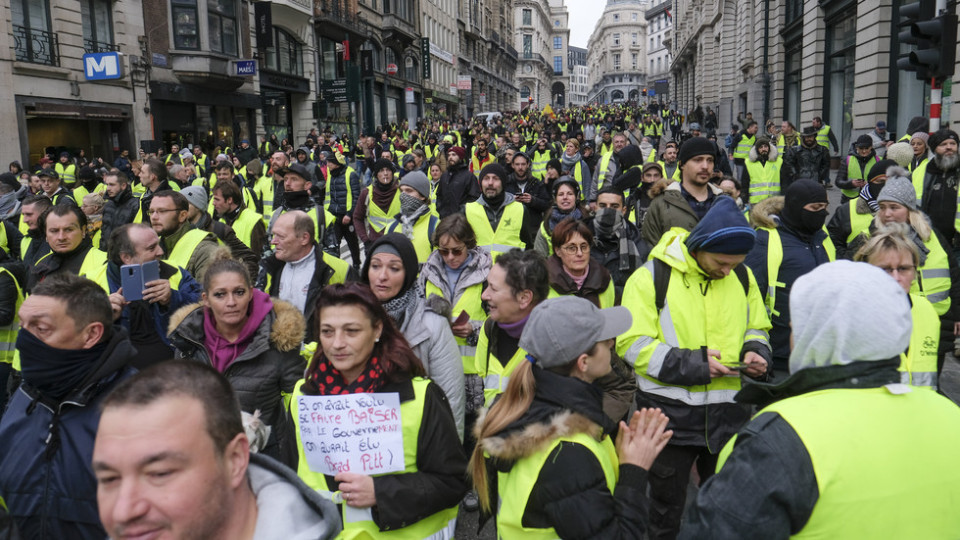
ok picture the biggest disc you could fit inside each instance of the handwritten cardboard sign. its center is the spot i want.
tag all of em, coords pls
(358, 433)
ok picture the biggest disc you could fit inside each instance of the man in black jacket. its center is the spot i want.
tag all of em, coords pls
(121, 206)
(806, 161)
(529, 191)
(458, 186)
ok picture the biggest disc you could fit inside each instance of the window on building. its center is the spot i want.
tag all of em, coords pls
(528, 46)
(524, 92)
(527, 17)
(558, 65)
(97, 17)
(556, 23)
(633, 37)
(794, 11)
(791, 106)
(633, 61)
(222, 23)
(841, 54)
(286, 55)
(186, 29)
(331, 63)
(557, 42)
(659, 64)
(651, 65)
(616, 61)
(411, 70)
(633, 16)
(616, 38)
(32, 40)
(658, 41)
(616, 17)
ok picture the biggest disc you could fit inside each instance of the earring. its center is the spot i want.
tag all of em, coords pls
(377, 340)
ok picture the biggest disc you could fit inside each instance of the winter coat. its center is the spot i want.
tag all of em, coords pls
(570, 494)
(596, 287)
(207, 251)
(670, 210)
(307, 515)
(843, 180)
(840, 227)
(475, 272)
(270, 366)
(427, 329)
(46, 452)
(801, 254)
(800, 162)
(458, 186)
(339, 205)
(607, 253)
(540, 199)
(118, 211)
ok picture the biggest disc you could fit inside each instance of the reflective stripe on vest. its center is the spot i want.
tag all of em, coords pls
(470, 302)
(775, 259)
(918, 366)
(603, 170)
(319, 227)
(539, 168)
(916, 175)
(507, 235)
(663, 171)
(858, 222)
(8, 334)
(180, 254)
(823, 137)
(358, 522)
(264, 189)
(515, 486)
(742, 151)
(495, 375)
(933, 278)
(244, 224)
(859, 494)
(854, 172)
(376, 217)
(68, 174)
(764, 179)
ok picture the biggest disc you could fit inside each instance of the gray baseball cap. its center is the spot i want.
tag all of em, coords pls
(561, 329)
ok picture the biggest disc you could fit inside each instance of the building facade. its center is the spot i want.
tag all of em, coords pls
(48, 95)
(542, 37)
(659, 23)
(579, 73)
(617, 53)
(835, 59)
(441, 97)
(487, 57)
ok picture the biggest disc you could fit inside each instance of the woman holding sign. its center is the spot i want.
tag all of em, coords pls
(253, 340)
(391, 270)
(547, 440)
(345, 440)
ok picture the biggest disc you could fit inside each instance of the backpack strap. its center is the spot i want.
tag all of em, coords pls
(661, 281)
(744, 277)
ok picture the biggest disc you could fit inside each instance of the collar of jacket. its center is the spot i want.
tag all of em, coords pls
(865, 374)
(169, 242)
(597, 278)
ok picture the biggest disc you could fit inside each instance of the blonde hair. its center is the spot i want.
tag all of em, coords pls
(889, 237)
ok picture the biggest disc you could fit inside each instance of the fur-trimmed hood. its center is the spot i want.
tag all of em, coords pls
(763, 214)
(660, 186)
(532, 438)
(772, 156)
(286, 331)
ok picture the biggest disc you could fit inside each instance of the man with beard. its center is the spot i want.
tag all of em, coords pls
(939, 197)
(790, 243)
(185, 246)
(499, 221)
(528, 191)
(70, 250)
(806, 161)
(296, 196)
(609, 166)
(481, 158)
(683, 204)
(458, 186)
(341, 192)
(763, 168)
(669, 167)
(617, 244)
(34, 245)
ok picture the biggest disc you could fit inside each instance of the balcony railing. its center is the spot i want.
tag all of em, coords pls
(36, 46)
(338, 11)
(92, 46)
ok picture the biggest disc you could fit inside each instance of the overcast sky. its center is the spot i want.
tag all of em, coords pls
(583, 17)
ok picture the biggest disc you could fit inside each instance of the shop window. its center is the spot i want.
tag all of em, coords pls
(222, 24)
(32, 39)
(186, 29)
(286, 55)
(97, 17)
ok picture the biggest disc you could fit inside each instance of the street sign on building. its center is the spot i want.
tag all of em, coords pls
(464, 82)
(410, 98)
(246, 68)
(425, 57)
(102, 66)
(392, 69)
(483, 98)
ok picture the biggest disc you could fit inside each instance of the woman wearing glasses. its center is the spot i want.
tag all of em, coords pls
(891, 250)
(572, 271)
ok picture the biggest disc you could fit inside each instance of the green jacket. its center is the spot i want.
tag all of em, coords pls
(668, 209)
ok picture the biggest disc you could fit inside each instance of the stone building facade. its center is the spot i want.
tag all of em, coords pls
(617, 53)
(542, 41)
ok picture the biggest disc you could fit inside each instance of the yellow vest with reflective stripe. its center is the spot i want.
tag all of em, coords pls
(358, 522)
(8, 334)
(823, 137)
(858, 222)
(933, 278)
(676, 172)
(376, 217)
(180, 255)
(495, 375)
(422, 234)
(764, 179)
(244, 224)
(742, 151)
(602, 169)
(775, 259)
(917, 177)
(515, 486)
(93, 267)
(346, 179)
(854, 172)
(470, 302)
(264, 189)
(918, 366)
(507, 235)
(81, 192)
(538, 169)
(863, 491)
(315, 212)
(68, 174)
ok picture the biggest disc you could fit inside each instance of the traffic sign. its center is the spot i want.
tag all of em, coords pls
(246, 68)
(102, 66)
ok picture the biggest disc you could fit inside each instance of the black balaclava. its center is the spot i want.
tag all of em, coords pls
(800, 194)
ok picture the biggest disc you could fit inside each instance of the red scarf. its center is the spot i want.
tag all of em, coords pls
(322, 379)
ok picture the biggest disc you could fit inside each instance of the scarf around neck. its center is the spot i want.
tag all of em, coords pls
(322, 379)
(569, 161)
(398, 306)
(610, 226)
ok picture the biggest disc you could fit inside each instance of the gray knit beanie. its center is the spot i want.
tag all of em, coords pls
(418, 181)
(899, 188)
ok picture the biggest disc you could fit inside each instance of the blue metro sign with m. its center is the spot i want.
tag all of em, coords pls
(102, 66)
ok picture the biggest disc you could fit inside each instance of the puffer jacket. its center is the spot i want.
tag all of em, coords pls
(270, 366)
(118, 211)
(570, 494)
(46, 451)
(338, 204)
(427, 329)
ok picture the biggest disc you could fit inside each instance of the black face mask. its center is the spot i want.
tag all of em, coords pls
(812, 222)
